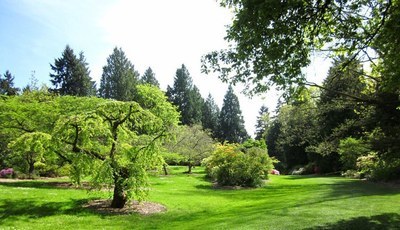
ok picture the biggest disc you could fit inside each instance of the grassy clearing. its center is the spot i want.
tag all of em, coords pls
(287, 202)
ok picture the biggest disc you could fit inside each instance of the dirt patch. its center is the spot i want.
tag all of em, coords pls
(143, 208)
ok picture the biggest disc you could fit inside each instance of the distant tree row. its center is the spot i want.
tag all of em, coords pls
(71, 76)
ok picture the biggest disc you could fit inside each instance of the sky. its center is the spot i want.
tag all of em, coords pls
(159, 34)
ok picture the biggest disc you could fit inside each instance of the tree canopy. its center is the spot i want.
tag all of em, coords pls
(71, 75)
(119, 77)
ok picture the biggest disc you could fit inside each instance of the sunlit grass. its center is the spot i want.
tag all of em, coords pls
(286, 202)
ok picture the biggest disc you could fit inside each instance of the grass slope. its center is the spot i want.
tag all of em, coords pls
(287, 202)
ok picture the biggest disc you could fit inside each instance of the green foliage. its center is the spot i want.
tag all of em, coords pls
(230, 122)
(7, 85)
(186, 97)
(263, 121)
(29, 152)
(149, 77)
(350, 149)
(210, 114)
(232, 165)
(191, 143)
(119, 77)
(71, 75)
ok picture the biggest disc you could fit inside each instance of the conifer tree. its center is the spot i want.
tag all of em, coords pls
(71, 75)
(186, 97)
(210, 115)
(231, 123)
(119, 77)
(7, 85)
(149, 77)
(262, 123)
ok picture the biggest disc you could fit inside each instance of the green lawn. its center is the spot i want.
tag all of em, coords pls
(287, 202)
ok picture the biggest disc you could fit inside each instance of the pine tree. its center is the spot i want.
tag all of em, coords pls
(186, 97)
(7, 85)
(119, 77)
(231, 123)
(210, 115)
(262, 123)
(71, 75)
(149, 77)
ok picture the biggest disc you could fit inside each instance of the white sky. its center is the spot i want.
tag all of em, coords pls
(159, 34)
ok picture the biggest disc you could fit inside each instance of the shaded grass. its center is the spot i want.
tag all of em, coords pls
(286, 202)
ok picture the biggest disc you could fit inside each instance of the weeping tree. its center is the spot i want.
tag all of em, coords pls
(117, 143)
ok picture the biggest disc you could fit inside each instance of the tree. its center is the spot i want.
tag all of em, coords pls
(262, 123)
(186, 97)
(119, 77)
(71, 75)
(29, 151)
(231, 123)
(210, 116)
(271, 41)
(7, 85)
(149, 77)
(117, 142)
(192, 143)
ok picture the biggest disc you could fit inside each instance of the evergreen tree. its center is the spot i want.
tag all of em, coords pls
(186, 97)
(210, 115)
(7, 85)
(231, 123)
(262, 123)
(149, 77)
(71, 75)
(119, 77)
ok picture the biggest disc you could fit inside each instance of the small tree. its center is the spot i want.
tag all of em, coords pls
(192, 144)
(29, 150)
(118, 142)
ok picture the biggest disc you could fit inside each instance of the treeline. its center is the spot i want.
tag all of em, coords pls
(336, 128)
(71, 76)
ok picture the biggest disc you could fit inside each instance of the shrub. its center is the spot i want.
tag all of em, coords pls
(350, 149)
(7, 173)
(234, 165)
(375, 168)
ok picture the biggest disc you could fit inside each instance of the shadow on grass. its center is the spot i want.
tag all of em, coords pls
(27, 209)
(39, 184)
(384, 221)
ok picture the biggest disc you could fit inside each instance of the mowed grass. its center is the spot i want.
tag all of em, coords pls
(286, 202)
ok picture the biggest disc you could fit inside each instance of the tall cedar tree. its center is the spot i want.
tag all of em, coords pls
(149, 77)
(71, 75)
(231, 123)
(7, 85)
(210, 115)
(186, 97)
(119, 77)
(262, 123)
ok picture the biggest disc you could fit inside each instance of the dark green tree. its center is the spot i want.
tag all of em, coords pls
(186, 97)
(262, 124)
(119, 77)
(149, 77)
(71, 75)
(210, 116)
(7, 85)
(231, 124)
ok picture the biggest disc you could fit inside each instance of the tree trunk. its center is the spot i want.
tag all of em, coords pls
(31, 169)
(165, 169)
(119, 197)
(190, 166)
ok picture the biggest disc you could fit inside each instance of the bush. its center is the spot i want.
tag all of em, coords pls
(375, 168)
(234, 165)
(7, 173)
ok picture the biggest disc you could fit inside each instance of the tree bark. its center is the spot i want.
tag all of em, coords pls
(119, 196)
(190, 166)
(165, 169)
